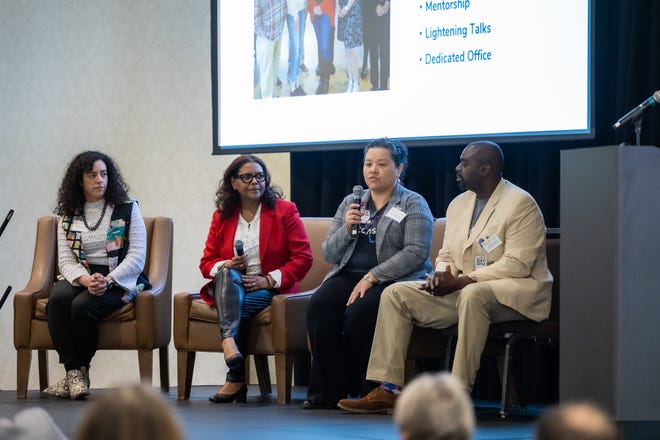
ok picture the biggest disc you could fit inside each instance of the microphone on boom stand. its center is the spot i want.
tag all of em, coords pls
(2, 229)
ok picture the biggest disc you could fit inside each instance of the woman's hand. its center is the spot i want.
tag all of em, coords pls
(353, 216)
(359, 290)
(255, 282)
(239, 262)
(98, 284)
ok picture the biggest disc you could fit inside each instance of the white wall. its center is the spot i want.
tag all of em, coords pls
(131, 78)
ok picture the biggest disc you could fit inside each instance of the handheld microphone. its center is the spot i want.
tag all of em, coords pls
(357, 198)
(636, 113)
(238, 245)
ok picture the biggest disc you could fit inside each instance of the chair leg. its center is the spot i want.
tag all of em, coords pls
(284, 373)
(505, 381)
(448, 352)
(263, 373)
(23, 360)
(42, 356)
(164, 362)
(185, 364)
(146, 364)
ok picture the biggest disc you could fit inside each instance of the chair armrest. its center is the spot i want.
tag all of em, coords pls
(23, 311)
(160, 255)
(41, 279)
(182, 304)
(288, 317)
(153, 308)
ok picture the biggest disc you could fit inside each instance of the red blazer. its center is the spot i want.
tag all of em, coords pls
(283, 245)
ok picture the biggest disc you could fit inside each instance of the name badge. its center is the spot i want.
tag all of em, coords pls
(480, 262)
(396, 214)
(78, 226)
(490, 243)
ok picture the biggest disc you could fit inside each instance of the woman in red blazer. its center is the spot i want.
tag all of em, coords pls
(257, 247)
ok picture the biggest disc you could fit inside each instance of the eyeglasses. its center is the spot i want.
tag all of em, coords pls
(247, 177)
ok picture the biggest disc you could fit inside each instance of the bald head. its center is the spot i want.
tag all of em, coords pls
(489, 153)
(578, 421)
(480, 168)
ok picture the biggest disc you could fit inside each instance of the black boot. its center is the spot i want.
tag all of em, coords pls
(229, 295)
(236, 374)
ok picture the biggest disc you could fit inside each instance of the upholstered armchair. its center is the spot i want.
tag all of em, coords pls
(279, 330)
(143, 326)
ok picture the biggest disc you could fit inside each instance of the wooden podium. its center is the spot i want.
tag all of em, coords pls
(610, 280)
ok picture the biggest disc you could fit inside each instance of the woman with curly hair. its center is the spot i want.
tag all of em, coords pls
(101, 244)
(256, 247)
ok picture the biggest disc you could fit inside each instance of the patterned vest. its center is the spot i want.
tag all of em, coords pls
(116, 243)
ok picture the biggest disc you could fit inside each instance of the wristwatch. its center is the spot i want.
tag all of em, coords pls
(369, 278)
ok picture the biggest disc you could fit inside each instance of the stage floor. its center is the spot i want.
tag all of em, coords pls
(203, 420)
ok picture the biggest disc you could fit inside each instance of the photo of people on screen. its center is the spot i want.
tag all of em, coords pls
(288, 31)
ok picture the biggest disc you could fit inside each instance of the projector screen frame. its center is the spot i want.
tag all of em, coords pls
(426, 141)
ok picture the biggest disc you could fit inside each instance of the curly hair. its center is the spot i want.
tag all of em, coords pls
(397, 149)
(71, 197)
(227, 199)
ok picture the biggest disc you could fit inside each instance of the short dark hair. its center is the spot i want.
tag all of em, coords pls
(397, 149)
(71, 196)
(227, 199)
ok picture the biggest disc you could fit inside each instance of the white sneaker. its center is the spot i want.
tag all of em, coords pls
(356, 86)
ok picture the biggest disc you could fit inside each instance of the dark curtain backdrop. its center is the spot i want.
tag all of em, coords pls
(626, 71)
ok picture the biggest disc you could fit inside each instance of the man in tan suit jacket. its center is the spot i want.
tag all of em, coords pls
(492, 268)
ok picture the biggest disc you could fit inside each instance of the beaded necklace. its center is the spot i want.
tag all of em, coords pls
(98, 223)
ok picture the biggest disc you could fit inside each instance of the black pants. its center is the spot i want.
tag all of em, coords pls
(379, 52)
(340, 338)
(73, 319)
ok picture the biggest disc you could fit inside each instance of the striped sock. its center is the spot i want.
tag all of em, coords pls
(390, 388)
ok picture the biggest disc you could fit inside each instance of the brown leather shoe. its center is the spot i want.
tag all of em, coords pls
(377, 401)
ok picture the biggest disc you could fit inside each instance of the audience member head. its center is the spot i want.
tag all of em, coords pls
(228, 197)
(30, 424)
(71, 194)
(435, 407)
(576, 421)
(397, 149)
(131, 412)
(480, 168)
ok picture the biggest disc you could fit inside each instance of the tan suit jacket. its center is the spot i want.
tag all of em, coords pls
(517, 270)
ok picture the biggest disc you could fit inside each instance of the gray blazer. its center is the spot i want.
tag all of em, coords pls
(402, 248)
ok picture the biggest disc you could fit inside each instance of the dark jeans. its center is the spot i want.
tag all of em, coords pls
(340, 338)
(73, 319)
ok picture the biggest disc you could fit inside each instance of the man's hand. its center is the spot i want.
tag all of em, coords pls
(444, 283)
